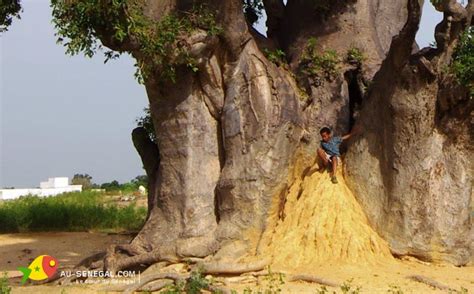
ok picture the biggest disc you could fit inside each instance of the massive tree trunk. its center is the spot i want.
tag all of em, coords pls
(229, 134)
(412, 166)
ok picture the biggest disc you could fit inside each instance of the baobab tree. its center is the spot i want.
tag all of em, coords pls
(231, 107)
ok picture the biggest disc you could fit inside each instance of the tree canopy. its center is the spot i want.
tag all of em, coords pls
(9, 9)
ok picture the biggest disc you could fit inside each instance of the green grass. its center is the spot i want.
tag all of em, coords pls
(78, 211)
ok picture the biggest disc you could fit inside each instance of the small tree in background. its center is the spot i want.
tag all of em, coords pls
(140, 181)
(82, 179)
(112, 186)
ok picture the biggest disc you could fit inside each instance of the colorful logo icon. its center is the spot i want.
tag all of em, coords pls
(43, 267)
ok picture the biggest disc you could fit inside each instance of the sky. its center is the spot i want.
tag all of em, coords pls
(62, 115)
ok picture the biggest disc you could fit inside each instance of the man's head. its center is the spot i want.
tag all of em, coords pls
(325, 134)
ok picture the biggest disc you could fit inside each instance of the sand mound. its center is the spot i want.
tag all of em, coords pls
(321, 222)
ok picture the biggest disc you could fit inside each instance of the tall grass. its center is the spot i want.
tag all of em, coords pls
(77, 211)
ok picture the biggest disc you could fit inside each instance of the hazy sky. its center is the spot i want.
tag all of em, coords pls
(62, 115)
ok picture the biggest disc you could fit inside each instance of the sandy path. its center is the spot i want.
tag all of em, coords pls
(69, 248)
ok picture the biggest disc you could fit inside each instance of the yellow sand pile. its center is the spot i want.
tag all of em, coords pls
(321, 222)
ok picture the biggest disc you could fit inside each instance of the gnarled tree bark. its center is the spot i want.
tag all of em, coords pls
(227, 134)
(412, 167)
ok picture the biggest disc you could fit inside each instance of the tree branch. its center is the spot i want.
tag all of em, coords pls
(470, 12)
(153, 277)
(455, 20)
(230, 268)
(402, 44)
(429, 282)
(232, 20)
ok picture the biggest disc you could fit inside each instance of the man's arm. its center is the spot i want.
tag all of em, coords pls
(346, 136)
(354, 131)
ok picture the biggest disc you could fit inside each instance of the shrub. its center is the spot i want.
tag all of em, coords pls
(82, 179)
(319, 65)
(276, 56)
(196, 283)
(355, 56)
(193, 285)
(68, 212)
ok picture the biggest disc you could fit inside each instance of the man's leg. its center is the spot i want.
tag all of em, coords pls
(334, 167)
(322, 155)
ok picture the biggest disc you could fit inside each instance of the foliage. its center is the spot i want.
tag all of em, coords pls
(276, 56)
(253, 10)
(111, 186)
(355, 56)
(196, 283)
(193, 285)
(129, 187)
(161, 43)
(82, 179)
(140, 181)
(77, 21)
(319, 65)
(4, 286)
(81, 23)
(77, 211)
(146, 122)
(9, 9)
(463, 60)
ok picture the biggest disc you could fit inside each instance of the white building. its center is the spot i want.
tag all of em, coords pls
(53, 186)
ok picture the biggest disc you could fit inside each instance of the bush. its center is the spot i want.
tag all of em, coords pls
(319, 65)
(112, 186)
(128, 187)
(355, 56)
(68, 212)
(193, 285)
(276, 56)
(82, 179)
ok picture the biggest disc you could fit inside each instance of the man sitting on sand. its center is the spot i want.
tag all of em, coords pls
(329, 151)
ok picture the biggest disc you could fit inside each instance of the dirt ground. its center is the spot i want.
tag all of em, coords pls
(19, 249)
